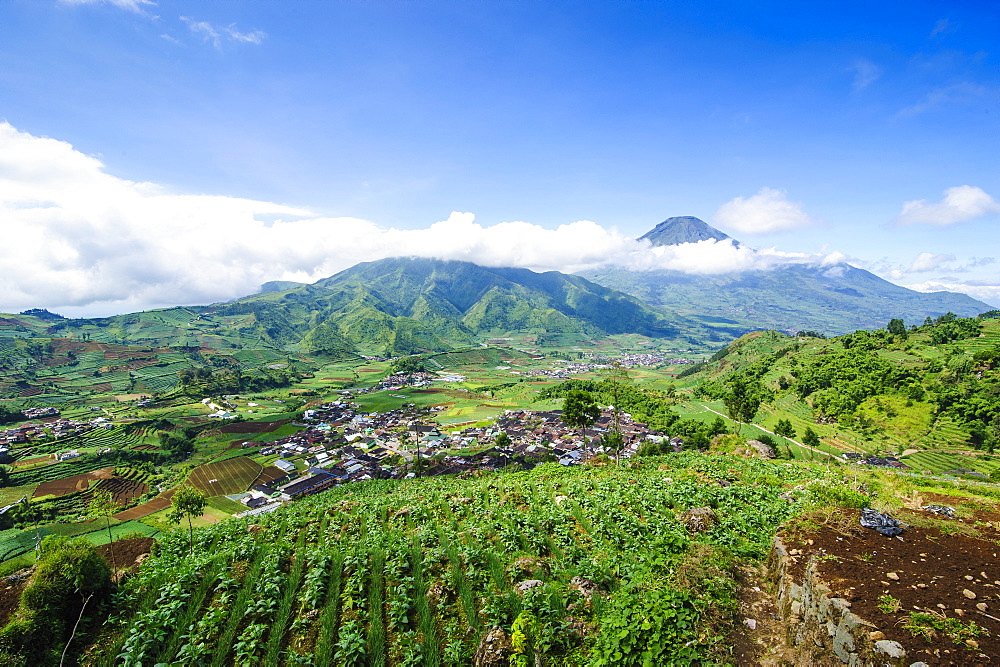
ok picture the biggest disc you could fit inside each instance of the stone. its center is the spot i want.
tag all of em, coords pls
(699, 519)
(890, 649)
(876, 636)
(969, 594)
(892, 575)
(528, 584)
(968, 577)
(750, 623)
(586, 587)
(982, 606)
(494, 650)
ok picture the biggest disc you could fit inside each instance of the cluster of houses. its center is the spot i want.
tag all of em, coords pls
(342, 445)
(40, 413)
(58, 428)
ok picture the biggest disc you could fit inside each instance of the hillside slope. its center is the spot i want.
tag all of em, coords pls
(829, 299)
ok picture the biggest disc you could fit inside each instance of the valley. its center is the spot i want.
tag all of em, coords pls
(351, 493)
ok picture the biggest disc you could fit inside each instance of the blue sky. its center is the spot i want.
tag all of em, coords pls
(184, 152)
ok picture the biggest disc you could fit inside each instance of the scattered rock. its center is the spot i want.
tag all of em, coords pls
(876, 636)
(892, 575)
(762, 450)
(890, 649)
(494, 650)
(699, 519)
(561, 499)
(982, 606)
(969, 594)
(528, 584)
(750, 623)
(586, 587)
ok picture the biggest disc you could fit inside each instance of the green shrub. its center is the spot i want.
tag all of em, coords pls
(70, 579)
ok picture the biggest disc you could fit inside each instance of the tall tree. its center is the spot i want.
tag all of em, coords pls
(187, 502)
(742, 399)
(102, 504)
(896, 327)
(580, 411)
(617, 378)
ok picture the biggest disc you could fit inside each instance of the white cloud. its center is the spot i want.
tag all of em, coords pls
(865, 73)
(216, 36)
(767, 211)
(984, 292)
(252, 37)
(927, 261)
(960, 204)
(83, 242)
(130, 5)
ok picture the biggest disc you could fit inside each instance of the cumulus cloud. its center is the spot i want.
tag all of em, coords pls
(217, 35)
(767, 211)
(86, 243)
(960, 204)
(928, 261)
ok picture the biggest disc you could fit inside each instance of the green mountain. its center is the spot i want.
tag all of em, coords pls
(932, 386)
(830, 299)
(408, 305)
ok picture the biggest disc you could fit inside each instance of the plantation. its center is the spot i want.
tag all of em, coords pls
(420, 572)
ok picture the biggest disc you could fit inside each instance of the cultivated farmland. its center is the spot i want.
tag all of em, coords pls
(225, 477)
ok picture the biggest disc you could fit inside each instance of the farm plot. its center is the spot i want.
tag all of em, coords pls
(157, 504)
(225, 477)
(268, 475)
(123, 491)
(67, 485)
(253, 427)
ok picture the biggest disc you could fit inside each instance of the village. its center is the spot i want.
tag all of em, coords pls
(340, 444)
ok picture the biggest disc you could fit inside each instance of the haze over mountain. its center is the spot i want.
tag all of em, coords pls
(832, 298)
(399, 306)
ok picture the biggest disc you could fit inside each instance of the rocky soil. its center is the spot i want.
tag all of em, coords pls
(934, 590)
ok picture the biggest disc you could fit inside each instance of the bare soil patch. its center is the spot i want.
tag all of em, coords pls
(123, 491)
(160, 502)
(10, 594)
(33, 460)
(128, 553)
(66, 485)
(946, 568)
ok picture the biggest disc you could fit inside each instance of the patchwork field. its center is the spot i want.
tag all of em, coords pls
(225, 477)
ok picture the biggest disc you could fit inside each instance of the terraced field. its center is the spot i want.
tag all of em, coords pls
(226, 477)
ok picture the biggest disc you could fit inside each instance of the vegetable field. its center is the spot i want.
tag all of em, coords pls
(230, 476)
(556, 563)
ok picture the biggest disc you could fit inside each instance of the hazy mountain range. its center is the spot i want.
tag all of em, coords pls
(407, 305)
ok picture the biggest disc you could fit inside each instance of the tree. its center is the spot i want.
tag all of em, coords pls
(187, 502)
(502, 439)
(784, 428)
(742, 399)
(897, 328)
(580, 411)
(103, 504)
(809, 438)
(617, 378)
